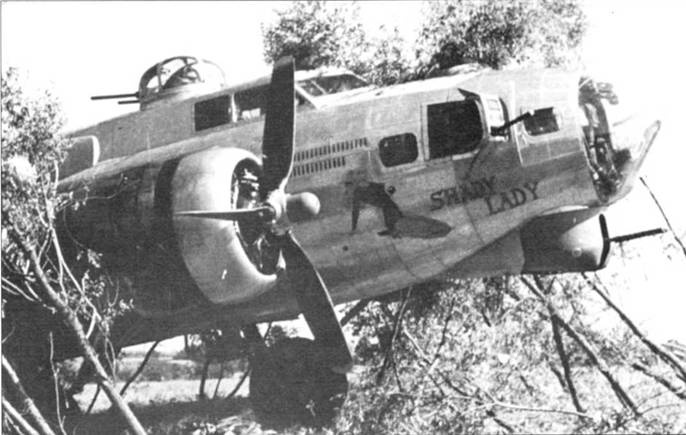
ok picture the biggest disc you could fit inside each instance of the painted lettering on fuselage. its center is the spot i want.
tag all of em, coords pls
(462, 193)
(512, 198)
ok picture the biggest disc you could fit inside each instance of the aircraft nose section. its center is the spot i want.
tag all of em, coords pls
(632, 138)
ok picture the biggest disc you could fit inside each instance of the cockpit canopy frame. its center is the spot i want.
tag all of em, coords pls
(172, 75)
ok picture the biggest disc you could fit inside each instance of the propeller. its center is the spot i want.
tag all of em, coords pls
(271, 214)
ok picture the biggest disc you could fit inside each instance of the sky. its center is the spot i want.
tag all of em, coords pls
(79, 49)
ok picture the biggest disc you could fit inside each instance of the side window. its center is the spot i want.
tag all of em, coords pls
(250, 103)
(543, 121)
(213, 112)
(454, 128)
(398, 150)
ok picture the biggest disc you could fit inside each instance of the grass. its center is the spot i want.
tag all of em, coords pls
(169, 407)
(172, 407)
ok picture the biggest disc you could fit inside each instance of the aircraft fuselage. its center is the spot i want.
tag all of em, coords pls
(413, 183)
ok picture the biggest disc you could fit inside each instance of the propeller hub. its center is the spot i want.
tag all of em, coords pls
(276, 202)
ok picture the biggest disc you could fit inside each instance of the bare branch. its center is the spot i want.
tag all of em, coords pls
(664, 216)
(678, 392)
(56, 385)
(14, 289)
(388, 357)
(558, 375)
(69, 317)
(95, 397)
(240, 382)
(17, 418)
(354, 311)
(444, 332)
(140, 368)
(534, 409)
(664, 356)
(27, 403)
(219, 380)
(559, 344)
(593, 356)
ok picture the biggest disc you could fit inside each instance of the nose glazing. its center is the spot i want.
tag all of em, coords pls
(632, 139)
(616, 144)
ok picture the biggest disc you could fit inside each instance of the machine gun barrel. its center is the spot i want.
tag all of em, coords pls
(113, 96)
(648, 233)
(501, 129)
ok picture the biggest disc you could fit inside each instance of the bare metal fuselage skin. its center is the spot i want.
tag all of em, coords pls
(460, 213)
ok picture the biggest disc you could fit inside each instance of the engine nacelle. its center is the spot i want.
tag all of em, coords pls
(214, 250)
(570, 241)
(565, 241)
(170, 262)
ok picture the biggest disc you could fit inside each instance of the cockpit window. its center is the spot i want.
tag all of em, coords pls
(329, 85)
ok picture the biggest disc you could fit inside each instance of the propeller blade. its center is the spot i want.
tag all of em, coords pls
(315, 302)
(259, 213)
(279, 128)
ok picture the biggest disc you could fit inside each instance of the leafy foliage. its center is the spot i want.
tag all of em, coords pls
(483, 360)
(453, 32)
(30, 149)
(31, 152)
(389, 62)
(316, 33)
(33, 333)
(495, 33)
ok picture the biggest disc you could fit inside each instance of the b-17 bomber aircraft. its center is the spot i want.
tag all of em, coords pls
(215, 211)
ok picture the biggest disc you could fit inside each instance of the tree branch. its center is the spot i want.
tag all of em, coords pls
(17, 418)
(664, 356)
(27, 403)
(240, 382)
(595, 359)
(534, 409)
(56, 301)
(140, 368)
(664, 216)
(354, 311)
(56, 384)
(559, 344)
(444, 332)
(219, 379)
(678, 392)
(388, 357)
(95, 397)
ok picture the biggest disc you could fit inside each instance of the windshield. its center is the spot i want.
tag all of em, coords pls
(328, 85)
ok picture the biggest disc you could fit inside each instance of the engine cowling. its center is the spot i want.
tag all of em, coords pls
(214, 251)
(169, 262)
(570, 241)
(564, 241)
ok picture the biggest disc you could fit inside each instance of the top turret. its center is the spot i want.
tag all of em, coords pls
(178, 77)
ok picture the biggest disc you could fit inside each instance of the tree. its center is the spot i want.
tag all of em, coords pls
(389, 62)
(510, 354)
(44, 304)
(453, 32)
(316, 33)
(496, 33)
